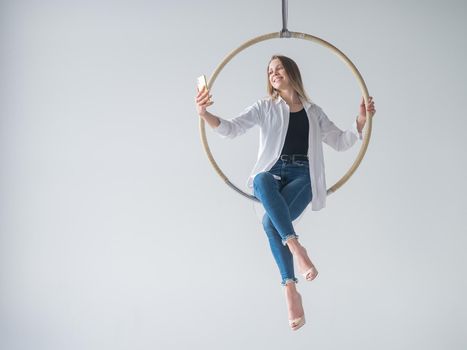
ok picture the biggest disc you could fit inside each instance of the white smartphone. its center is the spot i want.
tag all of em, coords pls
(202, 82)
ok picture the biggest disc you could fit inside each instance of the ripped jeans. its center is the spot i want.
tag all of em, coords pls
(285, 192)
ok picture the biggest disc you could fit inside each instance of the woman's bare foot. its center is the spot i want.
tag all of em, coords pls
(305, 266)
(294, 306)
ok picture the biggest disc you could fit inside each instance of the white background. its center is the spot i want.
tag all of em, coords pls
(116, 233)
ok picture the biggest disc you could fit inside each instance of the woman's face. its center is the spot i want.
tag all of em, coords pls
(277, 75)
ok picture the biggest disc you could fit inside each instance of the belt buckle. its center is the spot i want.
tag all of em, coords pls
(285, 157)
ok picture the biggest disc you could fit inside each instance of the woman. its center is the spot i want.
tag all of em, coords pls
(289, 172)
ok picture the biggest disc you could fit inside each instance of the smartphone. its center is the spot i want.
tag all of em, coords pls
(202, 82)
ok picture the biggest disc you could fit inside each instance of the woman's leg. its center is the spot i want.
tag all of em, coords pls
(280, 252)
(296, 195)
(265, 183)
(298, 200)
(268, 190)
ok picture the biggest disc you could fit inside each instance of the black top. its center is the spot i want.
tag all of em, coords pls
(296, 140)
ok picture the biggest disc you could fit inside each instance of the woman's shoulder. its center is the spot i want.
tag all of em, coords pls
(263, 104)
(313, 107)
(265, 101)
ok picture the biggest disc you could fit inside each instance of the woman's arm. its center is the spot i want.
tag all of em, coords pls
(203, 101)
(211, 119)
(338, 139)
(342, 140)
(361, 119)
(227, 128)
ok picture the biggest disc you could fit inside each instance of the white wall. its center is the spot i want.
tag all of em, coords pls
(115, 232)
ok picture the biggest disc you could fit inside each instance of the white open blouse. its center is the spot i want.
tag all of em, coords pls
(272, 117)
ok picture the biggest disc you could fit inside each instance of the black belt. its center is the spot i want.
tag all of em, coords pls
(293, 157)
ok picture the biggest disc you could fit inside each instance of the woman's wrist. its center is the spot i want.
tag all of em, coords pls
(360, 123)
(211, 119)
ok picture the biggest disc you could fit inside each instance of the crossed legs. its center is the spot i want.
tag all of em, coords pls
(283, 204)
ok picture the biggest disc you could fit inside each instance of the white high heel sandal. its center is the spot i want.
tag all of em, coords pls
(297, 323)
(310, 274)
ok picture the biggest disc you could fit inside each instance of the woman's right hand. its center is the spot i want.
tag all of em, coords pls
(203, 100)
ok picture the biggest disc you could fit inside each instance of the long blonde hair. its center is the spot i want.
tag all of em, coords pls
(295, 77)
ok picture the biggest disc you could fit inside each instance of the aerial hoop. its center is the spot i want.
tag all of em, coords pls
(286, 34)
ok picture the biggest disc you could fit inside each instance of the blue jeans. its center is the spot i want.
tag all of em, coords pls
(284, 200)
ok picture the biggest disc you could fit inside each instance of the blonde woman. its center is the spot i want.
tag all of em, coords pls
(289, 171)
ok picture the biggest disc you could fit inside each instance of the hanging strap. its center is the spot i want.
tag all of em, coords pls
(284, 32)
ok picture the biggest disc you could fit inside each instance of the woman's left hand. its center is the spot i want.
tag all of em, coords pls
(361, 120)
